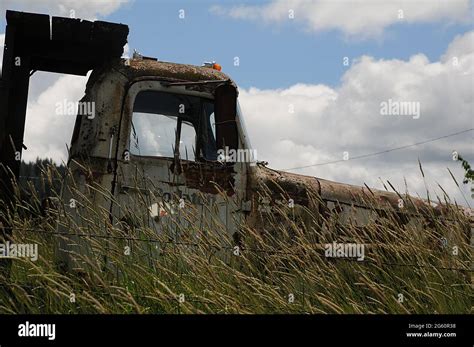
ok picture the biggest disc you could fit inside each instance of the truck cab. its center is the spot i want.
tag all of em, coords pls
(162, 131)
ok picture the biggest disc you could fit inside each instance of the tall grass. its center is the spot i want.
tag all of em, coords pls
(277, 265)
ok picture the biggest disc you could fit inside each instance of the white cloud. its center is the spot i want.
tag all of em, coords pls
(327, 122)
(84, 9)
(48, 133)
(353, 17)
(126, 51)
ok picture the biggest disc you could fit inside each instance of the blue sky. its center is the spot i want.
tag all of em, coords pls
(271, 56)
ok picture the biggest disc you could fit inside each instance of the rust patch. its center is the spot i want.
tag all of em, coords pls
(145, 69)
(284, 185)
(297, 187)
(207, 178)
(182, 72)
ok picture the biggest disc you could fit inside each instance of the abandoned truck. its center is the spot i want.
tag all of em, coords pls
(164, 128)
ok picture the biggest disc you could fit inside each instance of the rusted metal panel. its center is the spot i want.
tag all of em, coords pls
(176, 72)
(208, 178)
(285, 185)
(363, 203)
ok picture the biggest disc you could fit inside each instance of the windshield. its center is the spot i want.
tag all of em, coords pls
(168, 124)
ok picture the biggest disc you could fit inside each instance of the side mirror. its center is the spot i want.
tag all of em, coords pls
(225, 112)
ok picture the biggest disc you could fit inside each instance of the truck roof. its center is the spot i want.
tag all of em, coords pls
(135, 68)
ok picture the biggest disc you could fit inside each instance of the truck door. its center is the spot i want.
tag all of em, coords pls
(168, 173)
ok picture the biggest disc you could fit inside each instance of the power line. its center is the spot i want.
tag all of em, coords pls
(381, 152)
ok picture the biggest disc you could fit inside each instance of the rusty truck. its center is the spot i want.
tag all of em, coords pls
(173, 129)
